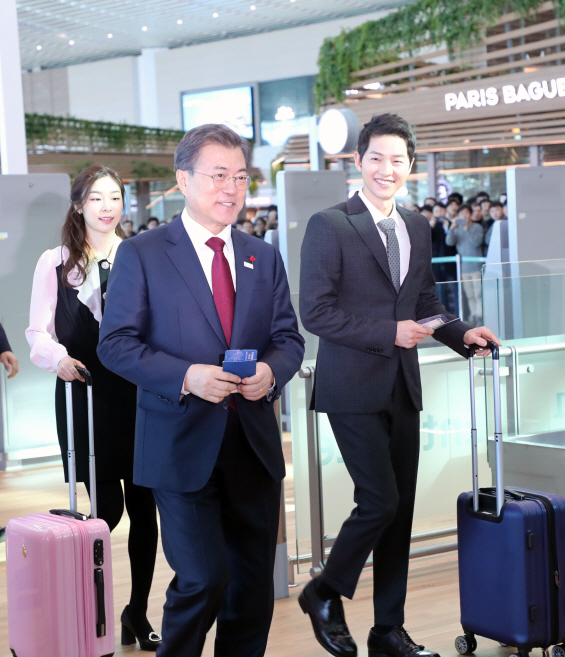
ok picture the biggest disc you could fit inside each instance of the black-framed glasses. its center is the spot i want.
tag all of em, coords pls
(220, 180)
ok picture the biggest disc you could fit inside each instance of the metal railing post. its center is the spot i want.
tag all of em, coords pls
(459, 285)
(315, 479)
(281, 572)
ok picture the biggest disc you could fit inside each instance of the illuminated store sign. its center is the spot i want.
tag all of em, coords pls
(509, 94)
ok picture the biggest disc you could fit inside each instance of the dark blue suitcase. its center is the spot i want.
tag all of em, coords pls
(511, 553)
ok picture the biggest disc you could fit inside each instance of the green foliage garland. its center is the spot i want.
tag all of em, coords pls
(44, 130)
(450, 22)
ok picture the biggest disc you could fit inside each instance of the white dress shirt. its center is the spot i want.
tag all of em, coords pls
(199, 236)
(399, 228)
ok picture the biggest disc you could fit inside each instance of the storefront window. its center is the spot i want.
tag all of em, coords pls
(466, 172)
(285, 108)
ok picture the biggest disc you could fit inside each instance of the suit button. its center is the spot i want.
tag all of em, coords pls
(225, 405)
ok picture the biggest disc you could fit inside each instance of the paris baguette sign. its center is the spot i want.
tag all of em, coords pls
(509, 94)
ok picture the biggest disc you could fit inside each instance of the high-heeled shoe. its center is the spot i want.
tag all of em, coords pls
(149, 642)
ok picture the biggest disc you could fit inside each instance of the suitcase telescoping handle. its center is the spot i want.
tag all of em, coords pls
(499, 466)
(71, 457)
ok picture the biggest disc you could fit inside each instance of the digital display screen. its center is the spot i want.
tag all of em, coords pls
(232, 107)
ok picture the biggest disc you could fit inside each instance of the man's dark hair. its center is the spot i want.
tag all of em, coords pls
(496, 204)
(439, 204)
(194, 140)
(430, 198)
(455, 196)
(153, 219)
(466, 206)
(383, 125)
(475, 204)
(485, 194)
(427, 207)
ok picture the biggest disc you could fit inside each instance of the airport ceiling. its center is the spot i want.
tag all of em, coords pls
(62, 32)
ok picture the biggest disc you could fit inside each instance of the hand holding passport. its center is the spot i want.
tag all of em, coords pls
(258, 377)
(241, 362)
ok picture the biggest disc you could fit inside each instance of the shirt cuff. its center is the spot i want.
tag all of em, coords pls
(183, 391)
(272, 391)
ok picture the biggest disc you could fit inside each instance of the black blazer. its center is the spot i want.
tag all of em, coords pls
(347, 298)
(4, 344)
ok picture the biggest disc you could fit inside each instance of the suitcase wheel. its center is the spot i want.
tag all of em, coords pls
(558, 651)
(467, 644)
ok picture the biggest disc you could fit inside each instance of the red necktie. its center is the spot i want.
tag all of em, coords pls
(222, 286)
(223, 291)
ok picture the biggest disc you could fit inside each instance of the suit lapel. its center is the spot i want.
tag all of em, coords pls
(413, 245)
(369, 233)
(245, 281)
(184, 257)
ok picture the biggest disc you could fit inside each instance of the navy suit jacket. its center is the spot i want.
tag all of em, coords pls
(160, 318)
(347, 298)
(4, 344)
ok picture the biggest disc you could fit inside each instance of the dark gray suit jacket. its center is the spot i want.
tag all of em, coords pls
(4, 344)
(347, 299)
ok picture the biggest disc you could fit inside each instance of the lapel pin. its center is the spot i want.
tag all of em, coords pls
(250, 263)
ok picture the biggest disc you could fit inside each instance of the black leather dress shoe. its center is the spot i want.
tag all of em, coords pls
(328, 621)
(396, 643)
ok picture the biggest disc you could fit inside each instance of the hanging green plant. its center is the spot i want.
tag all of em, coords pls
(45, 132)
(275, 168)
(451, 22)
(254, 186)
(144, 169)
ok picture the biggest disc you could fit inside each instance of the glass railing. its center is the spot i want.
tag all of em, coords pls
(525, 302)
(454, 293)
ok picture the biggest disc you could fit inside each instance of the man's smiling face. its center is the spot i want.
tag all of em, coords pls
(212, 207)
(384, 167)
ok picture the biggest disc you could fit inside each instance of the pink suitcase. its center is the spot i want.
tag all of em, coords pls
(59, 571)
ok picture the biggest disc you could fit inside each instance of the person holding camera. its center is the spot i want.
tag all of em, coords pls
(467, 237)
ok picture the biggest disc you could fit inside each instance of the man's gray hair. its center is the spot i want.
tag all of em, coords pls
(189, 148)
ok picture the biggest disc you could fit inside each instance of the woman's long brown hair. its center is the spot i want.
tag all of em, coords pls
(74, 229)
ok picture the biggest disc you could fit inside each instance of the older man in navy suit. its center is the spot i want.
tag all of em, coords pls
(207, 442)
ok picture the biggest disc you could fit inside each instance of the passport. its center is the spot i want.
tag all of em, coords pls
(241, 362)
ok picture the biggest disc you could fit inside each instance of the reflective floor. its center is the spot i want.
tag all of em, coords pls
(432, 607)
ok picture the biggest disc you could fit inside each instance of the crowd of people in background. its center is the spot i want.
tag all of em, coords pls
(255, 222)
(458, 226)
(463, 228)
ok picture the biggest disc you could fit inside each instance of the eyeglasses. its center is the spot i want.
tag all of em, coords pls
(220, 180)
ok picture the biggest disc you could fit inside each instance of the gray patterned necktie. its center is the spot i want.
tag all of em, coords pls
(392, 250)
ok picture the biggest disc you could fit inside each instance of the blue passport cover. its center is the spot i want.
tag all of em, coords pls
(241, 362)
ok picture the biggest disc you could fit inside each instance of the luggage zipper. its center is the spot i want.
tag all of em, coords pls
(553, 564)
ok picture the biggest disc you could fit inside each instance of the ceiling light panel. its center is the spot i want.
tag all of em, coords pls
(169, 23)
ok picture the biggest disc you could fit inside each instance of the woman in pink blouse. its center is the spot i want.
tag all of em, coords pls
(67, 304)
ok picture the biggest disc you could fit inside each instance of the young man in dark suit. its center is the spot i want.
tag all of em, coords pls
(366, 279)
(207, 442)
